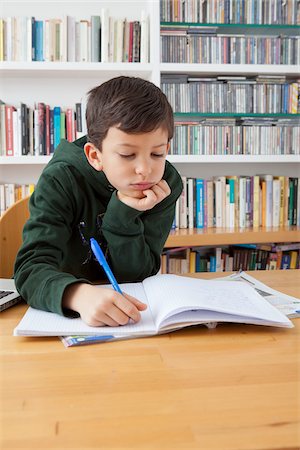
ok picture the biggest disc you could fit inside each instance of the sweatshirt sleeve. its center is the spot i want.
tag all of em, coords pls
(38, 275)
(136, 239)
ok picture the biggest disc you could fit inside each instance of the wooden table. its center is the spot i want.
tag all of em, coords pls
(235, 387)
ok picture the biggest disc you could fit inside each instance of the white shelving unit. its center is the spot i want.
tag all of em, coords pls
(66, 83)
(230, 69)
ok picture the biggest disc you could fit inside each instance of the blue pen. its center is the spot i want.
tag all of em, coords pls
(102, 261)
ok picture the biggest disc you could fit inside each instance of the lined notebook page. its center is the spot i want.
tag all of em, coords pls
(170, 294)
(40, 323)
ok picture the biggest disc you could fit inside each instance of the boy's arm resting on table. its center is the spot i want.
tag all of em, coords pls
(135, 238)
(37, 275)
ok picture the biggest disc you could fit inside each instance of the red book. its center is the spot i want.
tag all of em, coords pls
(47, 124)
(41, 118)
(130, 55)
(9, 135)
(69, 125)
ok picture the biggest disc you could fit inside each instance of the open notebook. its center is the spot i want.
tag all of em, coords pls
(173, 302)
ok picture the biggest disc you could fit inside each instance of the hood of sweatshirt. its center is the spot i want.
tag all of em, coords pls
(72, 154)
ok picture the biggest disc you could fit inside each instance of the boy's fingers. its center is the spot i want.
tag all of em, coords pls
(150, 196)
(160, 193)
(115, 318)
(164, 186)
(128, 308)
(140, 305)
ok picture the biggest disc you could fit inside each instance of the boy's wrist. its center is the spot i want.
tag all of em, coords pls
(72, 297)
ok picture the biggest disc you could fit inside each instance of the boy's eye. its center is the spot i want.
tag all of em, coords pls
(126, 156)
(158, 155)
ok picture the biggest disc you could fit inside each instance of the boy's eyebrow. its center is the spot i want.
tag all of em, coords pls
(125, 144)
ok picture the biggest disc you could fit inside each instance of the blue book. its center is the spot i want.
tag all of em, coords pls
(285, 98)
(212, 263)
(39, 31)
(56, 124)
(231, 182)
(199, 203)
(285, 261)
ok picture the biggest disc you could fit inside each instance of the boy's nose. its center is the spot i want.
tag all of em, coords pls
(143, 167)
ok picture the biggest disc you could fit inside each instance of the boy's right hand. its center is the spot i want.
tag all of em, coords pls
(101, 306)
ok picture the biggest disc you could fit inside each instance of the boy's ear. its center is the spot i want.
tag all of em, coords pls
(168, 147)
(93, 155)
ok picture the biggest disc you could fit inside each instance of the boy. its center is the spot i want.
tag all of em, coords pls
(114, 185)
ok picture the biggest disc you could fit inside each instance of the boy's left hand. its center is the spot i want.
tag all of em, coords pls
(152, 197)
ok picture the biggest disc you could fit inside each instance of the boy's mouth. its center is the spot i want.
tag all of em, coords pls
(142, 186)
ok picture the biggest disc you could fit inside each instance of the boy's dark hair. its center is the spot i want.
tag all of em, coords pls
(132, 104)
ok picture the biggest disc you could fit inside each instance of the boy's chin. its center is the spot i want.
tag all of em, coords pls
(134, 193)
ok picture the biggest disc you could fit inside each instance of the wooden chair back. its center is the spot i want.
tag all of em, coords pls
(11, 227)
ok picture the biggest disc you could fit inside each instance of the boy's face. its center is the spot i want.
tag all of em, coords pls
(133, 162)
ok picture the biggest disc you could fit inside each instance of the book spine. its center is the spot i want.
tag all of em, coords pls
(183, 205)
(291, 202)
(104, 35)
(51, 114)
(242, 202)
(218, 204)
(15, 131)
(47, 129)
(31, 130)
(191, 202)
(56, 122)
(199, 203)
(39, 25)
(95, 38)
(231, 203)
(71, 39)
(62, 125)
(41, 118)
(276, 203)
(9, 130)
(69, 122)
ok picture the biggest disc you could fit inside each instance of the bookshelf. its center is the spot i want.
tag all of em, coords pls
(67, 83)
(223, 236)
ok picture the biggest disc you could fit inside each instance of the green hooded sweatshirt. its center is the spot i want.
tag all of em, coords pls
(73, 202)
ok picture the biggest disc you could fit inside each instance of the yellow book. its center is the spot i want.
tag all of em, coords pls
(192, 262)
(294, 98)
(31, 188)
(293, 261)
(163, 265)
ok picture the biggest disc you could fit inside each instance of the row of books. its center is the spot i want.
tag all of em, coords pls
(231, 11)
(39, 130)
(11, 193)
(231, 258)
(193, 46)
(228, 137)
(97, 39)
(238, 202)
(232, 95)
